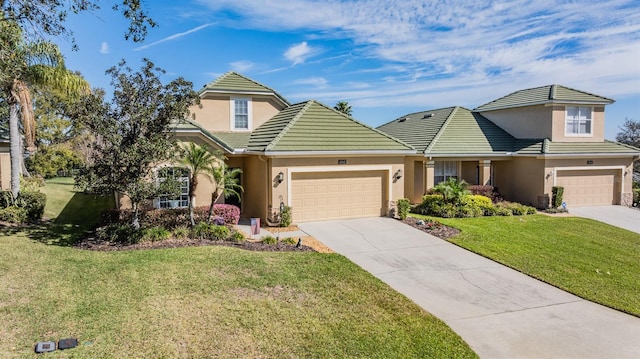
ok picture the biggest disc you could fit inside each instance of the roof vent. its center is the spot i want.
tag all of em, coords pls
(428, 115)
(404, 119)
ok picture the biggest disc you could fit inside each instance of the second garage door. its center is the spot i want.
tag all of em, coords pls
(321, 196)
(588, 188)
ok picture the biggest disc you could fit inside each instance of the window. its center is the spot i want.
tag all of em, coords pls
(180, 201)
(445, 170)
(578, 120)
(240, 113)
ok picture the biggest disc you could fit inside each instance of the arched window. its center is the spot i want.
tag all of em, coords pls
(181, 175)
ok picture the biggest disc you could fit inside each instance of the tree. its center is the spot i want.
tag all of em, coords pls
(452, 190)
(44, 18)
(133, 133)
(24, 64)
(630, 135)
(198, 160)
(344, 107)
(226, 183)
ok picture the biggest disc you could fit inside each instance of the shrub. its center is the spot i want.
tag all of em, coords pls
(429, 202)
(636, 196)
(452, 190)
(218, 221)
(6, 199)
(154, 234)
(556, 196)
(118, 233)
(475, 206)
(403, 208)
(173, 217)
(181, 232)
(219, 232)
(503, 211)
(229, 212)
(269, 240)
(290, 241)
(285, 216)
(13, 214)
(33, 203)
(487, 191)
(237, 237)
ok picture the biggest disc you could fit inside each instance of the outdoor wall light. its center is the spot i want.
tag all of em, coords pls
(397, 175)
(280, 177)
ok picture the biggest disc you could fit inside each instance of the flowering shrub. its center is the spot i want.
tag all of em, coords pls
(171, 218)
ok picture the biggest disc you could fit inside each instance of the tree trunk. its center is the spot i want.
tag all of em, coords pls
(136, 221)
(14, 150)
(193, 221)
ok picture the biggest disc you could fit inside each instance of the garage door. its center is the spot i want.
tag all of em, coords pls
(588, 188)
(337, 195)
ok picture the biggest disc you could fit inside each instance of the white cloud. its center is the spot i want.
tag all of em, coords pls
(298, 53)
(318, 82)
(173, 37)
(104, 48)
(242, 66)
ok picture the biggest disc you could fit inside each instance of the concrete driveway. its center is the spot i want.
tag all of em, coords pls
(500, 312)
(619, 216)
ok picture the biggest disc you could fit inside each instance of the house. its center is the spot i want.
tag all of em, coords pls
(322, 163)
(524, 144)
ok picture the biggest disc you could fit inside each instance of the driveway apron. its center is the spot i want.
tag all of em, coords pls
(619, 216)
(500, 312)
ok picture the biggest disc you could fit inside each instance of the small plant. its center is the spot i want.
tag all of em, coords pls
(13, 214)
(219, 232)
(201, 230)
(285, 216)
(237, 237)
(290, 241)
(269, 240)
(155, 234)
(556, 196)
(403, 208)
(117, 233)
(33, 203)
(181, 232)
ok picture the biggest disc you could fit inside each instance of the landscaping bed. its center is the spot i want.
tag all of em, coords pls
(432, 227)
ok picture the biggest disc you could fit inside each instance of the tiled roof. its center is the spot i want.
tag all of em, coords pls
(233, 82)
(312, 126)
(544, 95)
(548, 147)
(229, 141)
(450, 131)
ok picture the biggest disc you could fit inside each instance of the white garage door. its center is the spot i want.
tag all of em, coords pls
(588, 188)
(321, 196)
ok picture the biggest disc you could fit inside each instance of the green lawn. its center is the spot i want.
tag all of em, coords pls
(593, 260)
(204, 302)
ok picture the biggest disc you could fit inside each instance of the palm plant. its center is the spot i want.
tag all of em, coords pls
(344, 107)
(23, 64)
(198, 160)
(226, 183)
(452, 190)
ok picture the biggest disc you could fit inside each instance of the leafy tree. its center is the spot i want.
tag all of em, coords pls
(452, 190)
(51, 159)
(197, 159)
(630, 134)
(44, 18)
(24, 64)
(344, 107)
(226, 183)
(133, 132)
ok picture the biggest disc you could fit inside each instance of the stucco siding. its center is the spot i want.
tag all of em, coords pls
(523, 122)
(5, 170)
(520, 179)
(559, 126)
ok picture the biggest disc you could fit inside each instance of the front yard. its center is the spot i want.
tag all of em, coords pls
(210, 301)
(593, 260)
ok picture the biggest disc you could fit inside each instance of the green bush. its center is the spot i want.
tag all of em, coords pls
(269, 240)
(220, 232)
(33, 203)
(155, 234)
(503, 211)
(6, 199)
(290, 241)
(200, 230)
(237, 237)
(430, 204)
(13, 214)
(403, 208)
(285, 217)
(181, 232)
(117, 233)
(636, 196)
(556, 196)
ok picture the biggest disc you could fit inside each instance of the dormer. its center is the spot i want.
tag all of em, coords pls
(557, 112)
(235, 103)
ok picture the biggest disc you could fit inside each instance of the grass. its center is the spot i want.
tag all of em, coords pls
(206, 302)
(593, 260)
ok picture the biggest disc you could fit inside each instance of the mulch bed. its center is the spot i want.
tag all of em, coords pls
(439, 230)
(97, 245)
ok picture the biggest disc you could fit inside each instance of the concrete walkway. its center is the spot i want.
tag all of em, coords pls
(500, 312)
(619, 216)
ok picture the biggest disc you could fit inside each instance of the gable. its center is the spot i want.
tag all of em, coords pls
(234, 83)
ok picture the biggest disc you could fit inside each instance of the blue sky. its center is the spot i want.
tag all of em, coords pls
(387, 58)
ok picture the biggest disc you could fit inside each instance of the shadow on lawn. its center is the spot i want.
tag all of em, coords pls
(79, 216)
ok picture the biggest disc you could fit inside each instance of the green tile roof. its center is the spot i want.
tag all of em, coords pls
(233, 82)
(312, 126)
(450, 131)
(229, 141)
(544, 95)
(545, 146)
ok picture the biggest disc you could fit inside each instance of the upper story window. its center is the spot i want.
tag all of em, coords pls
(578, 120)
(240, 113)
(443, 170)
